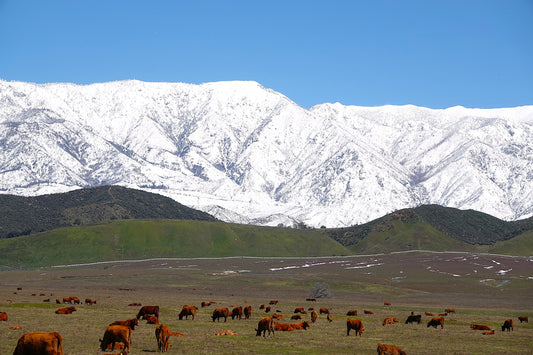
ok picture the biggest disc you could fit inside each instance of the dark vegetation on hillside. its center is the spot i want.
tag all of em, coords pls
(26, 215)
(468, 226)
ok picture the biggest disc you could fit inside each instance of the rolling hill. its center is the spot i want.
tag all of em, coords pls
(26, 215)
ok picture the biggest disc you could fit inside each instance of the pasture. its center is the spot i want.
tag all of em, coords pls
(484, 289)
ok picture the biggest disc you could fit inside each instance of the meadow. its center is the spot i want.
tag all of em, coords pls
(484, 289)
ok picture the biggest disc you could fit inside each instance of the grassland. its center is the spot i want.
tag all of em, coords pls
(418, 282)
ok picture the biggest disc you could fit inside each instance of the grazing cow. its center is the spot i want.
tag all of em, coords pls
(75, 300)
(220, 313)
(267, 309)
(277, 316)
(314, 316)
(236, 312)
(351, 312)
(90, 301)
(226, 332)
(3, 316)
(390, 320)
(19, 288)
(262, 306)
(479, 327)
(273, 302)
(355, 324)
(436, 321)
(443, 314)
(323, 311)
(130, 323)
(301, 325)
(449, 310)
(430, 314)
(58, 301)
(67, 300)
(153, 310)
(384, 349)
(42, 294)
(265, 323)
(15, 327)
(134, 304)
(151, 319)
(40, 344)
(162, 333)
(488, 332)
(46, 300)
(247, 312)
(386, 303)
(187, 311)
(296, 316)
(309, 299)
(523, 319)
(329, 318)
(414, 318)
(300, 310)
(116, 334)
(508, 324)
(66, 310)
(282, 327)
(367, 312)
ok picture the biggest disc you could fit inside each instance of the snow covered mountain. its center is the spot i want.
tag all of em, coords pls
(248, 154)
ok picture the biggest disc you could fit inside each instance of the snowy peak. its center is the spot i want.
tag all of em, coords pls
(250, 154)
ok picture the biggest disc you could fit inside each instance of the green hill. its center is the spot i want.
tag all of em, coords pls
(26, 215)
(142, 239)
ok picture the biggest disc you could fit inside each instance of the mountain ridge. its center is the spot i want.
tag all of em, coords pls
(253, 156)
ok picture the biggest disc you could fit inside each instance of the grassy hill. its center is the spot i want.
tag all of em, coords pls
(433, 226)
(26, 215)
(142, 239)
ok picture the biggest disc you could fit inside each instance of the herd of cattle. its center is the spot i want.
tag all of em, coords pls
(117, 335)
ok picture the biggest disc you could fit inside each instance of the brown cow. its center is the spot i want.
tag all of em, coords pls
(367, 312)
(162, 334)
(479, 327)
(40, 344)
(324, 311)
(116, 334)
(66, 310)
(187, 311)
(355, 324)
(384, 349)
(329, 318)
(67, 300)
(226, 332)
(267, 309)
(301, 325)
(15, 327)
(449, 310)
(273, 302)
(90, 301)
(386, 303)
(443, 314)
(436, 321)
(153, 310)
(277, 316)
(75, 300)
(46, 300)
(314, 316)
(430, 314)
(151, 319)
(265, 323)
(3, 316)
(282, 327)
(300, 310)
(58, 301)
(133, 304)
(508, 324)
(262, 306)
(130, 323)
(351, 312)
(523, 319)
(247, 312)
(488, 332)
(219, 313)
(236, 312)
(296, 316)
(389, 320)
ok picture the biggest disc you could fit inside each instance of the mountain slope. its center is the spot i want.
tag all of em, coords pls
(248, 154)
(27, 215)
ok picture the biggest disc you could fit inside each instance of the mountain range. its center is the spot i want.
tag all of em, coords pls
(244, 153)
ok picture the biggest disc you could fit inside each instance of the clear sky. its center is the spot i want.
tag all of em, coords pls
(438, 54)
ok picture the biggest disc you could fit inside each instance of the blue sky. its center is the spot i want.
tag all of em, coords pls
(428, 53)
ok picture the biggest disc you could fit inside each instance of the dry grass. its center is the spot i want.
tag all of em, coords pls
(172, 284)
